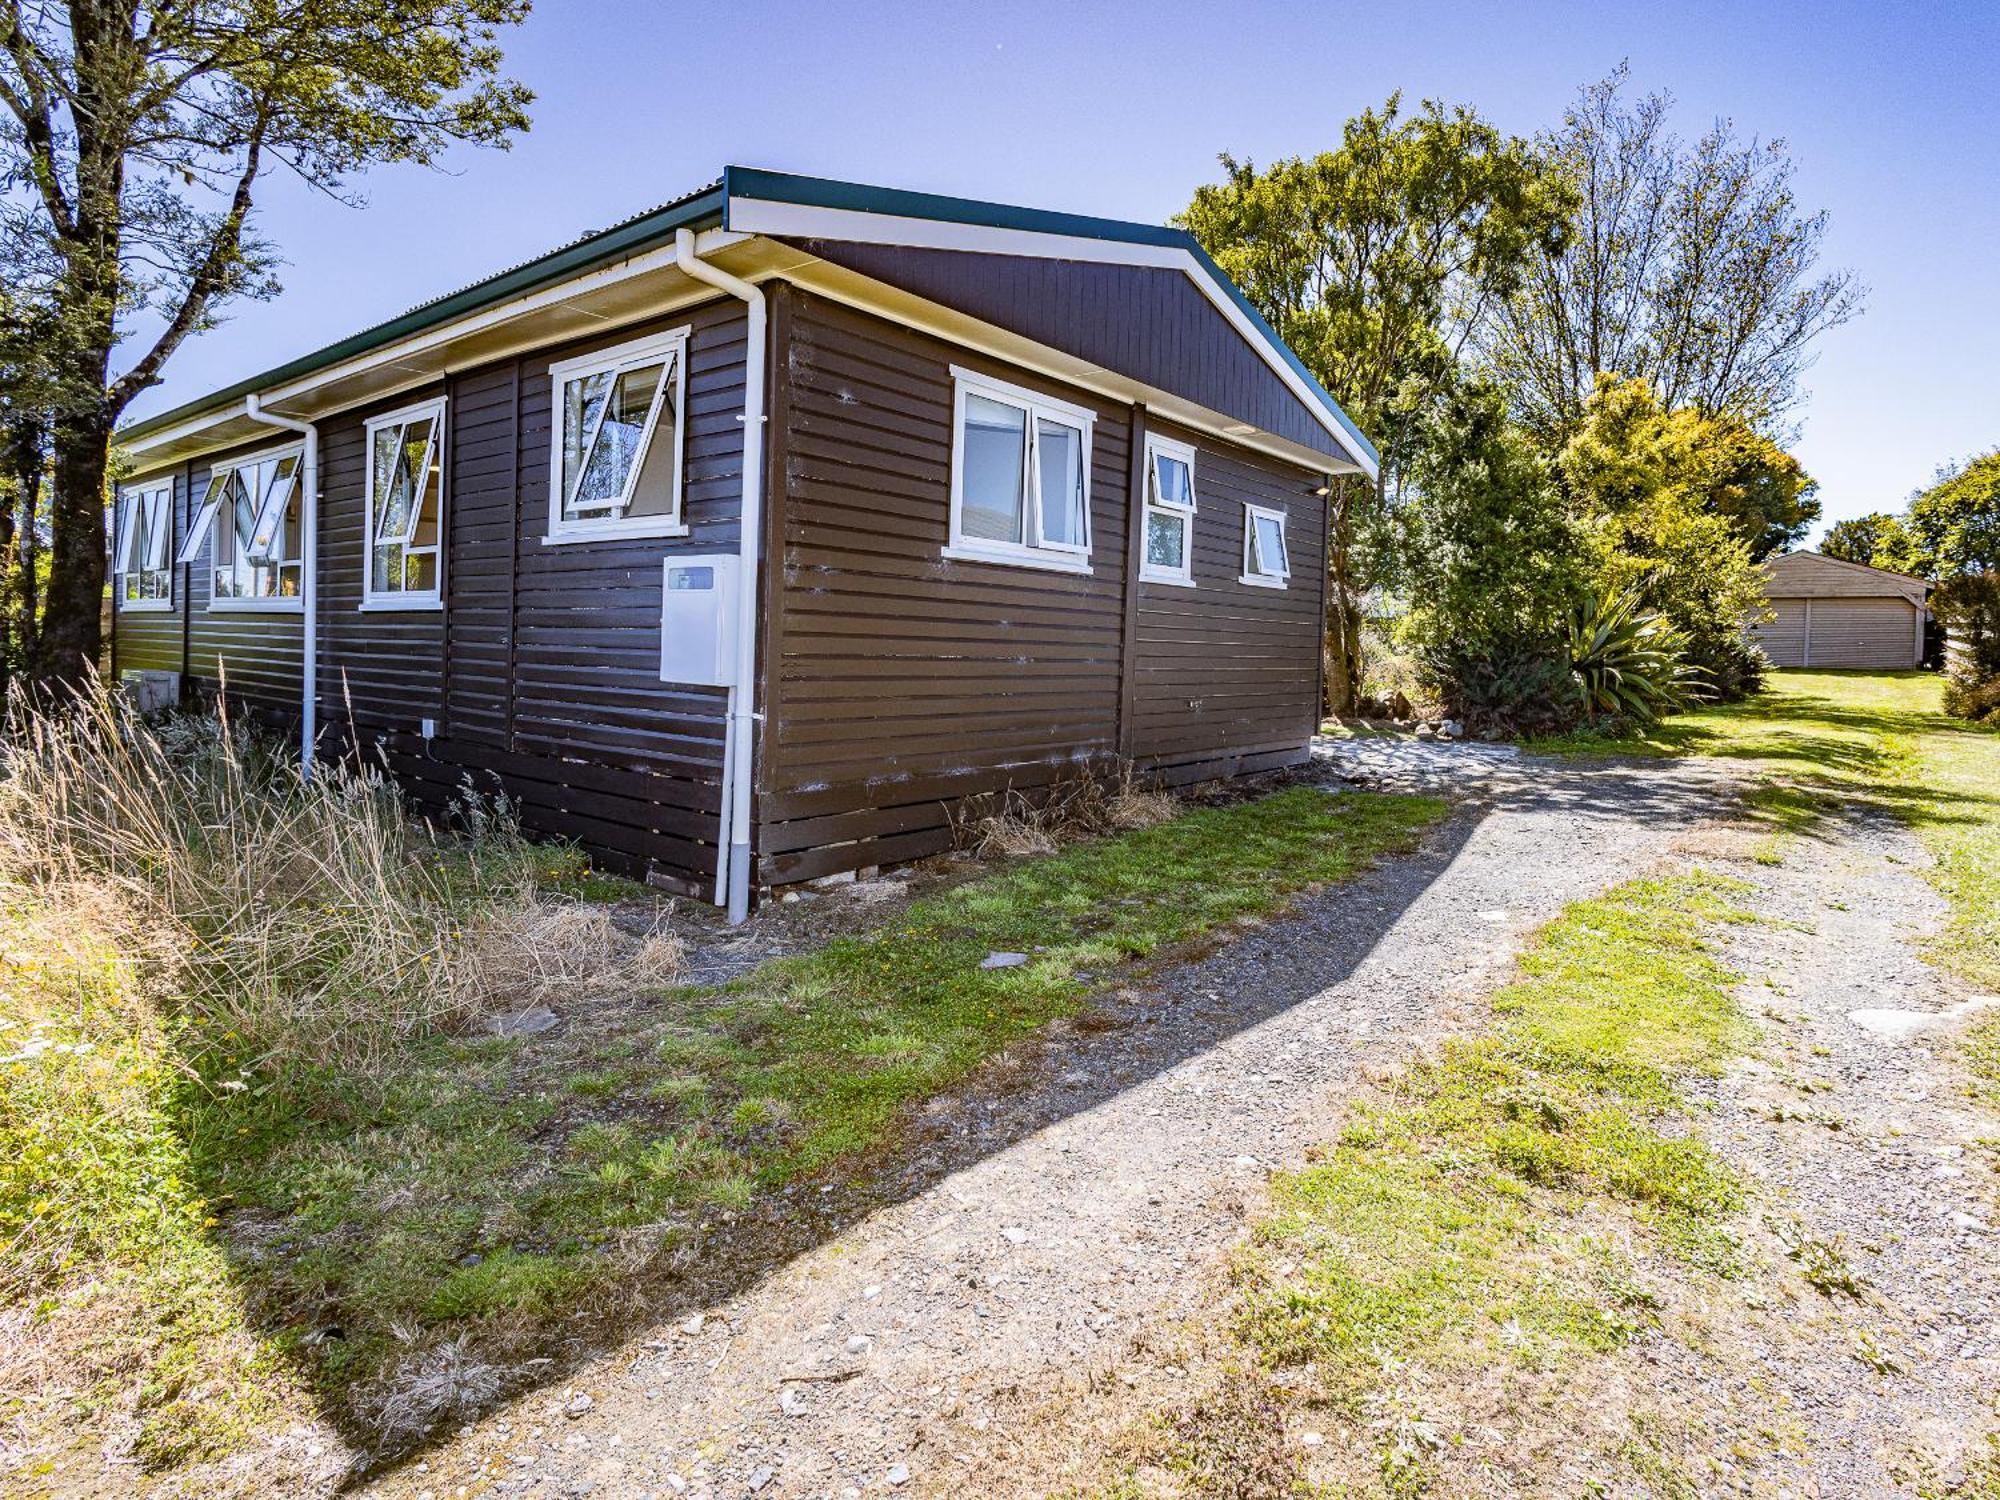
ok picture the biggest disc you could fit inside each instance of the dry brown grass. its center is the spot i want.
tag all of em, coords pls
(310, 915)
(1085, 804)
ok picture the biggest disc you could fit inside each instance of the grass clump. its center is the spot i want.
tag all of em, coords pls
(1452, 1223)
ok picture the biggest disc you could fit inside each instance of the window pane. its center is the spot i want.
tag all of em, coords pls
(420, 572)
(653, 492)
(1166, 541)
(1175, 482)
(386, 570)
(991, 470)
(1061, 459)
(609, 462)
(583, 404)
(1271, 546)
(384, 462)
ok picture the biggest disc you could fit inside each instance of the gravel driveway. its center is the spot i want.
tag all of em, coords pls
(1070, 1196)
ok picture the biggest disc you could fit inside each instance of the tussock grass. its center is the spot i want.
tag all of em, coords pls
(194, 938)
(262, 1164)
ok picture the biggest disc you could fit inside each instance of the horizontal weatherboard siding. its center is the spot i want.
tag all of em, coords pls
(900, 682)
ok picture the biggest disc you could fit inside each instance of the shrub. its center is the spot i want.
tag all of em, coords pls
(1525, 689)
(1969, 608)
(1628, 662)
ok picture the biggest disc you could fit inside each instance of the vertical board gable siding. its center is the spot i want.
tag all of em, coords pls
(900, 681)
(1148, 323)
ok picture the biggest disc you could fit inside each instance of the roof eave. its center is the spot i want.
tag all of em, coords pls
(699, 210)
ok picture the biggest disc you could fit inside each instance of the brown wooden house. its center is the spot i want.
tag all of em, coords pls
(741, 541)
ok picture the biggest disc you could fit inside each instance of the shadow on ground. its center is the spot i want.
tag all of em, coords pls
(1147, 1019)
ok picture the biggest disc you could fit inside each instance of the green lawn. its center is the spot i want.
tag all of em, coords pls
(1874, 737)
(485, 1201)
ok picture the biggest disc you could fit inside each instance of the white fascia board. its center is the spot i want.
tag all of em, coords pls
(804, 221)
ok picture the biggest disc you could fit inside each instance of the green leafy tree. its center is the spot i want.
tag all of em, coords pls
(137, 132)
(1954, 526)
(1763, 491)
(1372, 260)
(1689, 266)
(1640, 483)
(1863, 539)
(1489, 551)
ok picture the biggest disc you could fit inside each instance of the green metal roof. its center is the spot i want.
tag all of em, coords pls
(707, 207)
(700, 209)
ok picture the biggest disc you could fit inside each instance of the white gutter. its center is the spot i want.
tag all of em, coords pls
(309, 574)
(732, 872)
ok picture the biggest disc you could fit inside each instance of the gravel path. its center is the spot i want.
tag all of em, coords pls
(1856, 1126)
(1069, 1197)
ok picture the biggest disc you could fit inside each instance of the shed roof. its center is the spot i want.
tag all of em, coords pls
(1814, 575)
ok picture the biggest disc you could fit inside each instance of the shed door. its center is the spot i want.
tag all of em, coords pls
(1864, 633)
(1784, 638)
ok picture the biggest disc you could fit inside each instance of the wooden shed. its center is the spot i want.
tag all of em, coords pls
(1827, 612)
(743, 541)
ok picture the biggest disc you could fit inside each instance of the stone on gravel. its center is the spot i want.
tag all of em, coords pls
(577, 1405)
(899, 1474)
(530, 1022)
(759, 1477)
(1900, 1025)
(1003, 960)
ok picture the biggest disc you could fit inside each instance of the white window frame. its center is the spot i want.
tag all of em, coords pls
(1056, 557)
(432, 598)
(273, 604)
(158, 494)
(619, 357)
(1265, 579)
(1158, 447)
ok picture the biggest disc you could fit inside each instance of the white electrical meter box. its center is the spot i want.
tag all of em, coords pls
(698, 620)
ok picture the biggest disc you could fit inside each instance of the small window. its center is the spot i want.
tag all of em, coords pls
(254, 505)
(1020, 477)
(615, 469)
(405, 502)
(1264, 561)
(1169, 518)
(142, 577)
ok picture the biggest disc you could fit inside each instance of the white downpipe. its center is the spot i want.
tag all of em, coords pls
(732, 872)
(309, 575)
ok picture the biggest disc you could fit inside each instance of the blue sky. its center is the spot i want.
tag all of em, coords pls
(1121, 109)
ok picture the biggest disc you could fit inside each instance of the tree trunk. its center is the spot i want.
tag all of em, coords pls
(71, 640)
(1342, 648)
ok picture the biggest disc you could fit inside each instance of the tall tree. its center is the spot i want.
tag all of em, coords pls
(1640, 482)
(1953, 527)
(1862, 539)
(1691, 267)
(1371, 261)
(137, 133)
(1741, 475)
